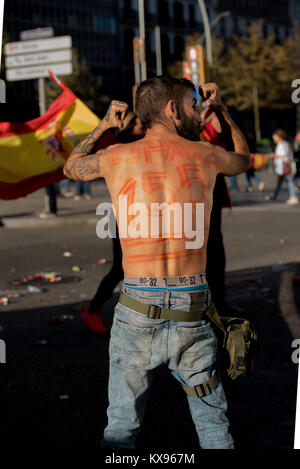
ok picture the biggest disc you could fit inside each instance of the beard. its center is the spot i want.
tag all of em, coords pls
(188, 128)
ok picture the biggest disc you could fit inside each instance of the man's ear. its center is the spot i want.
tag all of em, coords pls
(171, 110)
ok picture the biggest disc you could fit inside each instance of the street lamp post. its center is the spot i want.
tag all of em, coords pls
(213, 24)
(142, 36)
(158, 51)
(207, 32)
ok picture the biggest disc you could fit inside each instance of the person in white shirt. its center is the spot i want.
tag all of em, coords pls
(283, 158)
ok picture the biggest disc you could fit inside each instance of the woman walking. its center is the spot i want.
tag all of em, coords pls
(283, 158)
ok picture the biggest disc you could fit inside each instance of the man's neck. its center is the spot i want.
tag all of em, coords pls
(163, 129)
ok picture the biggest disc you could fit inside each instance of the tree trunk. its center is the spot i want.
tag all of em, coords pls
(256, 113)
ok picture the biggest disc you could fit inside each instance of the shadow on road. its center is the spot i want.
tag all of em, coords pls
(56, 393)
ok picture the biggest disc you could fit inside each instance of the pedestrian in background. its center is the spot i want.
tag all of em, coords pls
(80, 188)
(50, 202)
(283, 159)
(250, 174)
(64, 188)
(297, 159)
(233, 184)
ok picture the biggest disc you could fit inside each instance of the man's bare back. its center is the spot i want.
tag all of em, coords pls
(163, 167)
(157, 169)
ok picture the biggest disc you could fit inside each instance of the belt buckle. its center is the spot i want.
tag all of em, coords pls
(153, 312)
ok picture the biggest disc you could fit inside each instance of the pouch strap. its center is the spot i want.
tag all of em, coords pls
(156, 312)
(205, 388)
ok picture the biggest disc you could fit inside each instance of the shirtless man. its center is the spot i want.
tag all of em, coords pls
(160, 317)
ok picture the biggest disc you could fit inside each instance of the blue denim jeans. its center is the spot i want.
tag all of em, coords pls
(291, 187)
(139, 344)
(80, 186)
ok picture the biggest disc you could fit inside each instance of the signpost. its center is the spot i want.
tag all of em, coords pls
(37, 45)
(33, 56)
(38, 71)
(37, 33)
(31, 59)
(38, 58)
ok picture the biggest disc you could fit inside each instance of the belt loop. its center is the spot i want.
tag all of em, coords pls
(168, 294)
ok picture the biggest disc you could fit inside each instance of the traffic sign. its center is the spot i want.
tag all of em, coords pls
(38, 71)
(37, 33)
(38, 58)
(37, 45)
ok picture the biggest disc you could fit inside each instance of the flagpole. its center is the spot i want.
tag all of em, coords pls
(42, 96)
(50, 192)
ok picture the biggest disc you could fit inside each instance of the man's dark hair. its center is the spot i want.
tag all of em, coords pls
(153, 94)
(280, 133)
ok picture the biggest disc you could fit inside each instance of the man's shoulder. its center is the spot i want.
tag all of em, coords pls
(201, 145)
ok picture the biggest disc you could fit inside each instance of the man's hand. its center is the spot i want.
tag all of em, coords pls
(115, 115)
(208, 116)
(82, 164)
(212, 98)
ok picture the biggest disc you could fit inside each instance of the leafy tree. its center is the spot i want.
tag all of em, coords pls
(255, 72)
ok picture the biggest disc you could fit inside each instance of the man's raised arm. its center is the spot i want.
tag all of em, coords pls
(230, 163)
(83, 164)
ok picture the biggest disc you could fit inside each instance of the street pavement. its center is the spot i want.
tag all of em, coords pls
(55, 393)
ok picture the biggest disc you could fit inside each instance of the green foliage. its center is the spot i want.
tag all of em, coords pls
(253, 61)
(258, 62)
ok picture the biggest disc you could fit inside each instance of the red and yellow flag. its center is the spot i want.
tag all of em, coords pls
(33, 153)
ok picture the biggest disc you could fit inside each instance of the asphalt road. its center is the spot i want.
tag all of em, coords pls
(56, 393)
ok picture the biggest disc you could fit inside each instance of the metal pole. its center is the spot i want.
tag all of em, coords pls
(137, 73)
(42, 96)
(207, 33)
(50, 190)
(213, 24)
(158, 51)
(142, 36)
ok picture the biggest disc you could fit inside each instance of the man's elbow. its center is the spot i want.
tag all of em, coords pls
(245, 161)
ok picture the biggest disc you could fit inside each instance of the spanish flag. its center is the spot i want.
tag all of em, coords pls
(33, 153)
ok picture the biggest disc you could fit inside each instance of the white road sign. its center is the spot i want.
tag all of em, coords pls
(38, 58)
(36, 33)
(38, 71)
(37, 45)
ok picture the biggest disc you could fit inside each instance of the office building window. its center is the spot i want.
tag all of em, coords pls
(178, 14)
(104, 24)
(165, 48)
(192, 21)
(163, 12)
(179, 46)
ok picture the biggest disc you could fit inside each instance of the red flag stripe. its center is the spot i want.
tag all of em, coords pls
(9, 129)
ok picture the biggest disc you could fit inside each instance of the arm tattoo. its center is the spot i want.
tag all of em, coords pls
(84, 169)
(86, 146)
